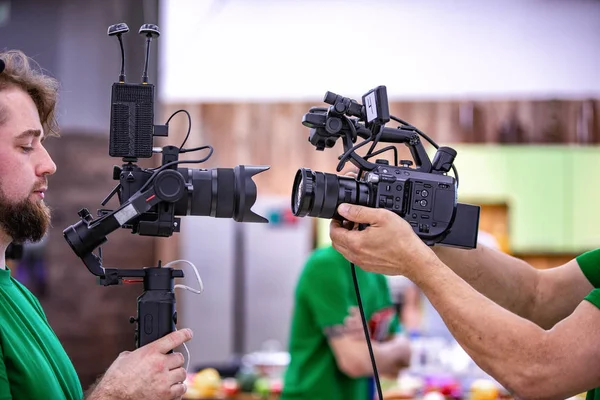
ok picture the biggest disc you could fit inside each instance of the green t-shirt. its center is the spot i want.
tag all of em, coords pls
(33, 363)
(590, 266)
(324, 293)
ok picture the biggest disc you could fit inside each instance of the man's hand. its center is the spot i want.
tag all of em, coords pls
(147, 373)
(387, 246)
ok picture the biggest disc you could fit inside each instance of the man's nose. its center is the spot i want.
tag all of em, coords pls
(47, 165)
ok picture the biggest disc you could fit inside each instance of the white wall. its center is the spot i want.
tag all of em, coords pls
(217, 50)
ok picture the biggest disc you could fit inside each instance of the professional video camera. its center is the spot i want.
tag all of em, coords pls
(150, 199)
(424, 196)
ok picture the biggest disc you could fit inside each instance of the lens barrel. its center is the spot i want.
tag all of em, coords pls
(220, 193)
(318, 194)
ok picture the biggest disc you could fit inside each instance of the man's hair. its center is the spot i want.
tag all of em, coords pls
(26, 74)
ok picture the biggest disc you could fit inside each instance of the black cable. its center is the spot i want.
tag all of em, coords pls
(352, 128)
(344, 156)
(122, 75)
(193, 149)
(376, 140)
(189, 125)
(430, 140)
(393, 148)
(145, 73)
(354, 135)
(366, 330)
(156, 171)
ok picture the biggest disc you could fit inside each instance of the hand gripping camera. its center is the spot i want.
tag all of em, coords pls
(151, 200)
(425, 196)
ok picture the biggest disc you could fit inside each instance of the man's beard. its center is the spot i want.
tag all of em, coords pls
(25, 220)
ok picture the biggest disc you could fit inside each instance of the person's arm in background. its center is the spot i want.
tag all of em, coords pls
(148, 373)
(411, 309)
(541, 296)
(325, 287)
(351, 351)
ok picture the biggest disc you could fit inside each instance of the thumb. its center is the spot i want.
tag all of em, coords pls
(171, 341)
(359, 214)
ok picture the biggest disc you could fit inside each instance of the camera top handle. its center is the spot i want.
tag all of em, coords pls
(327, 125)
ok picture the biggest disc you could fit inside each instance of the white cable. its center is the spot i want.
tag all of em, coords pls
(196, 291)
(187, 351)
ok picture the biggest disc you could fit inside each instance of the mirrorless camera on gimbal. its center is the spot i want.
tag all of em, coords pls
(425, 196)
(151, 200)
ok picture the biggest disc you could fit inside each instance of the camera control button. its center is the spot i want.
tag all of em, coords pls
(148, 324)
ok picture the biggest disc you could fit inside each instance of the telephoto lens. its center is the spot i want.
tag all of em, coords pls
(318, 194)
(220, 193)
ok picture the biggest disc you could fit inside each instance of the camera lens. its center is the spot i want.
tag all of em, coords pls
(318, 194)
(220, 193)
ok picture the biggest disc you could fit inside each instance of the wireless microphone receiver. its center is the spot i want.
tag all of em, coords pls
(132, 105)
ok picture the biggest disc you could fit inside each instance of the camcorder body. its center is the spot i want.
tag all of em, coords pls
(425, 196)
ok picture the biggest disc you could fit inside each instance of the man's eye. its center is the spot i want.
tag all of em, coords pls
(27, 149)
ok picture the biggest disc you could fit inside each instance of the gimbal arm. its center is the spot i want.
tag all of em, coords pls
(86, 235)
(156, 315)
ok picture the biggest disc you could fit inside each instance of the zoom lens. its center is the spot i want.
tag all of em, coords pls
(220, 193)
(318, 194)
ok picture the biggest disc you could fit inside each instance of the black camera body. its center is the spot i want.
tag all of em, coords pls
(426, 201)
(425, 196)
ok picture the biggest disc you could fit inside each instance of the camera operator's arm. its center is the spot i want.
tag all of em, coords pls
(528, 360)
(149, 372)
(542, 296)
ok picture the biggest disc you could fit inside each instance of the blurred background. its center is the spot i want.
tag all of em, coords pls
(512, 85)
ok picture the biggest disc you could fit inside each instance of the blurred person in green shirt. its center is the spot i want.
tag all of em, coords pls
(329, 354)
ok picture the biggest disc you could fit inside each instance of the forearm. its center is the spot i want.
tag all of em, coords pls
(508, 281)
(391, 357)
(511, 349)
(102, 389)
